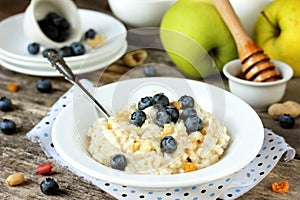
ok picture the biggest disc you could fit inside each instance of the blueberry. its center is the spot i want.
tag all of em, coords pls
(46, 51)
(8, 126)
(50, 16)
(145, 103)
(77, 48)
(186, 102)
(55, 27)
(5, 104)
(118, 161)
(286, 121)
(49, 186)
(162, 117)
(173, 112)
(160, 99)
(61, 23)
(188, 112)
(33, 48)
(51, 31)
(149, 71)
(138, 118)
(65, 51)
(193, 124)
(90, 33)
(168, 144)
(44, 86)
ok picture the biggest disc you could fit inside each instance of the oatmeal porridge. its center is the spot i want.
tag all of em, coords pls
(158, 136)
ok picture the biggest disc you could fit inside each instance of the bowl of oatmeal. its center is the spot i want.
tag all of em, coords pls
(159, 135)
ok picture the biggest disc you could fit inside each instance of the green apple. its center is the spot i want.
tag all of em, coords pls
(277, 32)
(194, 34)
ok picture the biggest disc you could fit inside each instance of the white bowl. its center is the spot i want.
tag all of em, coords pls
(38, 9)
(140, 13)
(257, 94)
(71, 126)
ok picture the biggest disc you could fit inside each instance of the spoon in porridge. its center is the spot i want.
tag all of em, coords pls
(60, 65)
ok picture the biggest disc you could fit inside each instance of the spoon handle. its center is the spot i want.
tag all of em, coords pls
(245, 45)
(60, 65)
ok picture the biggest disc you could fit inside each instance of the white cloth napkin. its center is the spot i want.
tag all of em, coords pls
(273, 149)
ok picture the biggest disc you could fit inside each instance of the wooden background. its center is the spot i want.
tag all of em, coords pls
(18, 154)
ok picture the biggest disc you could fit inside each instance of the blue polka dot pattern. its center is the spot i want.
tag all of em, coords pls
(274, 147)
(230, 187)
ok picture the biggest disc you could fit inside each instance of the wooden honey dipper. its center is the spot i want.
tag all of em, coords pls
(256, 65)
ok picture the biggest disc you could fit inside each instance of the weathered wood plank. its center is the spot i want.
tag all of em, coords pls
(18, 154)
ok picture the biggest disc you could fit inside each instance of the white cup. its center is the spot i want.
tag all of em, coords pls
(38, 9)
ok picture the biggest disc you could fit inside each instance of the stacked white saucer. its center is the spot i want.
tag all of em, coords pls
(14, 54)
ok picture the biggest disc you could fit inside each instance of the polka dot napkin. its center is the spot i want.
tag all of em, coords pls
(231, 187)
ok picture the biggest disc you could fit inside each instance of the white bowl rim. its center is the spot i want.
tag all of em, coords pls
(283, 67)
(91, 167)
(151, 1)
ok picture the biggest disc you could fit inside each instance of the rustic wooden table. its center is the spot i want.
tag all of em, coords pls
(18, 154)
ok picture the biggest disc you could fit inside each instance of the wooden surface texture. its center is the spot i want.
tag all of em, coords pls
(18, 154)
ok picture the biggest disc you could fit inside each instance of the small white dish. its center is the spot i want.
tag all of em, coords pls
(13, 42)
(257, 94)
(140, 13)
(41, 66)
(80, 68)
(244, 129)
(38, 9)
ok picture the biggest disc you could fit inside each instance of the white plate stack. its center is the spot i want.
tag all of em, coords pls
(14, 54)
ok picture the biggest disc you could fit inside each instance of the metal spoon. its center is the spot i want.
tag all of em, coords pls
(60, 65)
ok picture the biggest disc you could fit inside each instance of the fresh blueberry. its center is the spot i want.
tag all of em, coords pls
(55, 27)
(46, 51)
(162, 117)
(33, 48)
(77, 49)
(44, 86)
(65, 51)
(50, 16)
(118, 161)
(49, 186)
(5, 104)
(186, 102)
(61, 23)
(160, 99)
(8, 126)
(145, 103)
(286, 121)
(138, 118)
(188, 112)
(149, 71)
(90, 34)
(193, 124)
(168, 144)
(51, 31)
(173, 112)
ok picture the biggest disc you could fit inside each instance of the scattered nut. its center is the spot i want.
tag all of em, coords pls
(97, 41)
(168, 130)
(44, 168)
(12, 87)
(109, 126)
(288, 107)
(135, 58)
(189, 167)
(15, 179)
(135, 146)
(117, 68)
(176, 104)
